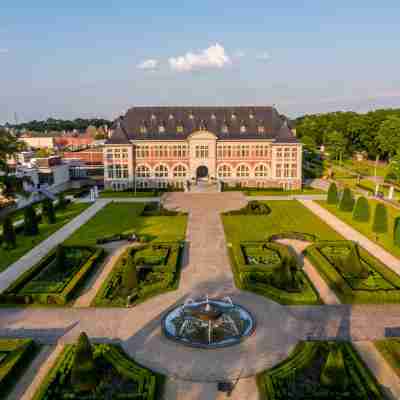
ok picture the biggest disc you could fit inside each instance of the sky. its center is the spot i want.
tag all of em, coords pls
(91, 58)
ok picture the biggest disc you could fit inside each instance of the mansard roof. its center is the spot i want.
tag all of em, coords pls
(177, 123)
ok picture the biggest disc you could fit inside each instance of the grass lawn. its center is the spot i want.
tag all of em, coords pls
(272, 192)
(125, 217)
(26, 243)
(385, 240)
(106, 194)
(288, 215)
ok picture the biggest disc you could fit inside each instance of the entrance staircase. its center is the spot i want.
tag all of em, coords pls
(204, 187)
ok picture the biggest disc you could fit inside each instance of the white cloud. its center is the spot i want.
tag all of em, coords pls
(149, 65)
(264, 56)
(3, 51)
(212, 57)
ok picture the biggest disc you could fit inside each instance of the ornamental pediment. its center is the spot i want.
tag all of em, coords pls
(202, 135)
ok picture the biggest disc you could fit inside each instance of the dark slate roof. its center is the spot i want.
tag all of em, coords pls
(143, 123)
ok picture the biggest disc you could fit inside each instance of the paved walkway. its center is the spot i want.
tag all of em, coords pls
(351, 234)
(38, 252)
(289, 197)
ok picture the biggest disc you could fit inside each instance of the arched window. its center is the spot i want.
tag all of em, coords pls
(242, 171)
(143, 171)
(161, 171)
(180, 171)
(224, 171)
(261, 171)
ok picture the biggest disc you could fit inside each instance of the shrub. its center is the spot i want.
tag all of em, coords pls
(9, 236)
(347, 200)
(83, 373)
(62, 202)
(396, 232)
(380, 224)
(48, 211)
(60, 257)
(334, 372)
(353, 265)
(332, 194)
(253, 207)
(31, 227)
(129, 275)
(361, 210)
(284, 277)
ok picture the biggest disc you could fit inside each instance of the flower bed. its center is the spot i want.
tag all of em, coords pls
(49, 282)
(258, 267)
(377, 284)
(322, 370)
(117, 375)
(156, 269)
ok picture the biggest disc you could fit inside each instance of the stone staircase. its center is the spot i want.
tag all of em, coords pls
(204, 187)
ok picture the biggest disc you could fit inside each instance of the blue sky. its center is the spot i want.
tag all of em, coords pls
(98, 58)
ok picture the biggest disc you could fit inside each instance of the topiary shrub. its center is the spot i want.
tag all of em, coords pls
(396, 232)
(361, 211)
(332, 194)
(284, 277)
(380, 224)
(83, 372)
(60, 257)
(129, 275)
(334, 374)
(48, 211)
(353, 264)
(9, 236)
(31, 227)
(347, 201)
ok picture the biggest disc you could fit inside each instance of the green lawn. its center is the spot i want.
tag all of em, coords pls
(26, 243)
(385, 240)
(390, 350)
(125, 217)
(106, 194)
(288, 215)
(369, 166)
(272, 192)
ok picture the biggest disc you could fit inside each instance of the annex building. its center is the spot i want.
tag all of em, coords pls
(161, 146)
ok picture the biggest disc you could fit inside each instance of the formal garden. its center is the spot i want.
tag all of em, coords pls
(390, 350)
(142, 271)
(320, 370)
(99, 371)
(56, 279)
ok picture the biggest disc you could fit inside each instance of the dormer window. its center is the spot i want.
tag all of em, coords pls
(251, 115)
(191, 116)
(233, 116)
(213, 116)
(161, 129)
(243, 129)
(179, 128)
(153, 117)
(224, 128)
(171, 116)
(143, 129)
(261, 129)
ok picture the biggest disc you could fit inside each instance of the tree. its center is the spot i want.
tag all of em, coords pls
(347, 200)
(396, 232)
(83, 372)
(395, 166)
(353, 264)
(309, 143)
(62, 202)
(129, 275)
(380, 224)
(9, 236)
(332, 194)
(361, 211)
(335, 144)
(388, 136)
(48, 211)
(31, 227)
(334, 371)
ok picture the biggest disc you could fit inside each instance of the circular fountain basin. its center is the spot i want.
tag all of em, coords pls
(208, 323)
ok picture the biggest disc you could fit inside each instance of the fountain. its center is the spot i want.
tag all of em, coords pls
(208, 323)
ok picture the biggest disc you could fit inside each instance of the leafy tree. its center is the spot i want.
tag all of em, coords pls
(361, 211)
(31, 226)
(332, 194)
(9, 236)
(388, 136)
(309, 143)
(334, 371)
(396, 232)
(395, 166)
(335, 144)
(347, 200)
(83, 372)
(48, 211)
(380, 224)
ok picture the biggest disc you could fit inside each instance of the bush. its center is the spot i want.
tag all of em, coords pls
(31, 227)
(129, 275)
(380, 224)
(48, 211)
(353, 265)
(83, 372)
(361, 211)
(60, 257)
(333, 194)
(396, 232)
(253, 207)
(284, 277)
(334, 373)
(62, 202)
(9, 236)
(347, 201)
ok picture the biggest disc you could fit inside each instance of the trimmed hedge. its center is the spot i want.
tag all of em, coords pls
(12, 296)
(347, 200)
(341, 287)
(253, 207)
(156, 209)
(333, 197)
(361, 210)
(380, 223)
(302, 236)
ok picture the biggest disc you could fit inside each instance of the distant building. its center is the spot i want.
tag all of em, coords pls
(160, 146)
(39, 140)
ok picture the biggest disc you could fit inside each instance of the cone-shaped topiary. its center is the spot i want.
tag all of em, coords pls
(347, 200)
(334, 372)
(333, 197)
(61, 257)
(31, 227)
(48, 211)
(9, 236)
(396, 232)
(129, 275)
(353, 264)
(83, 372)
(380, 224)
(283, 277)
(361, 211)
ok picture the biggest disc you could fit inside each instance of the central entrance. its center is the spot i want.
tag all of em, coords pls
(202, 172)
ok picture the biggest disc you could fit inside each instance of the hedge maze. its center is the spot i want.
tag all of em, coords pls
(142, 271)
(55, 279)
(320, 370)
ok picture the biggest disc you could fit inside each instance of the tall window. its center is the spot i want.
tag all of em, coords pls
(142, 151)
(125, 172)
(201, 151)
(261, 171)
(161, 171)
(286, 170)
(224, 171)
(242, 171)
(279, 152)
(279, 170)
(180, 171)
(293, 171)
(294, 153)
(118, 171)
(287, 152)
(244, 151)
(143, 171)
